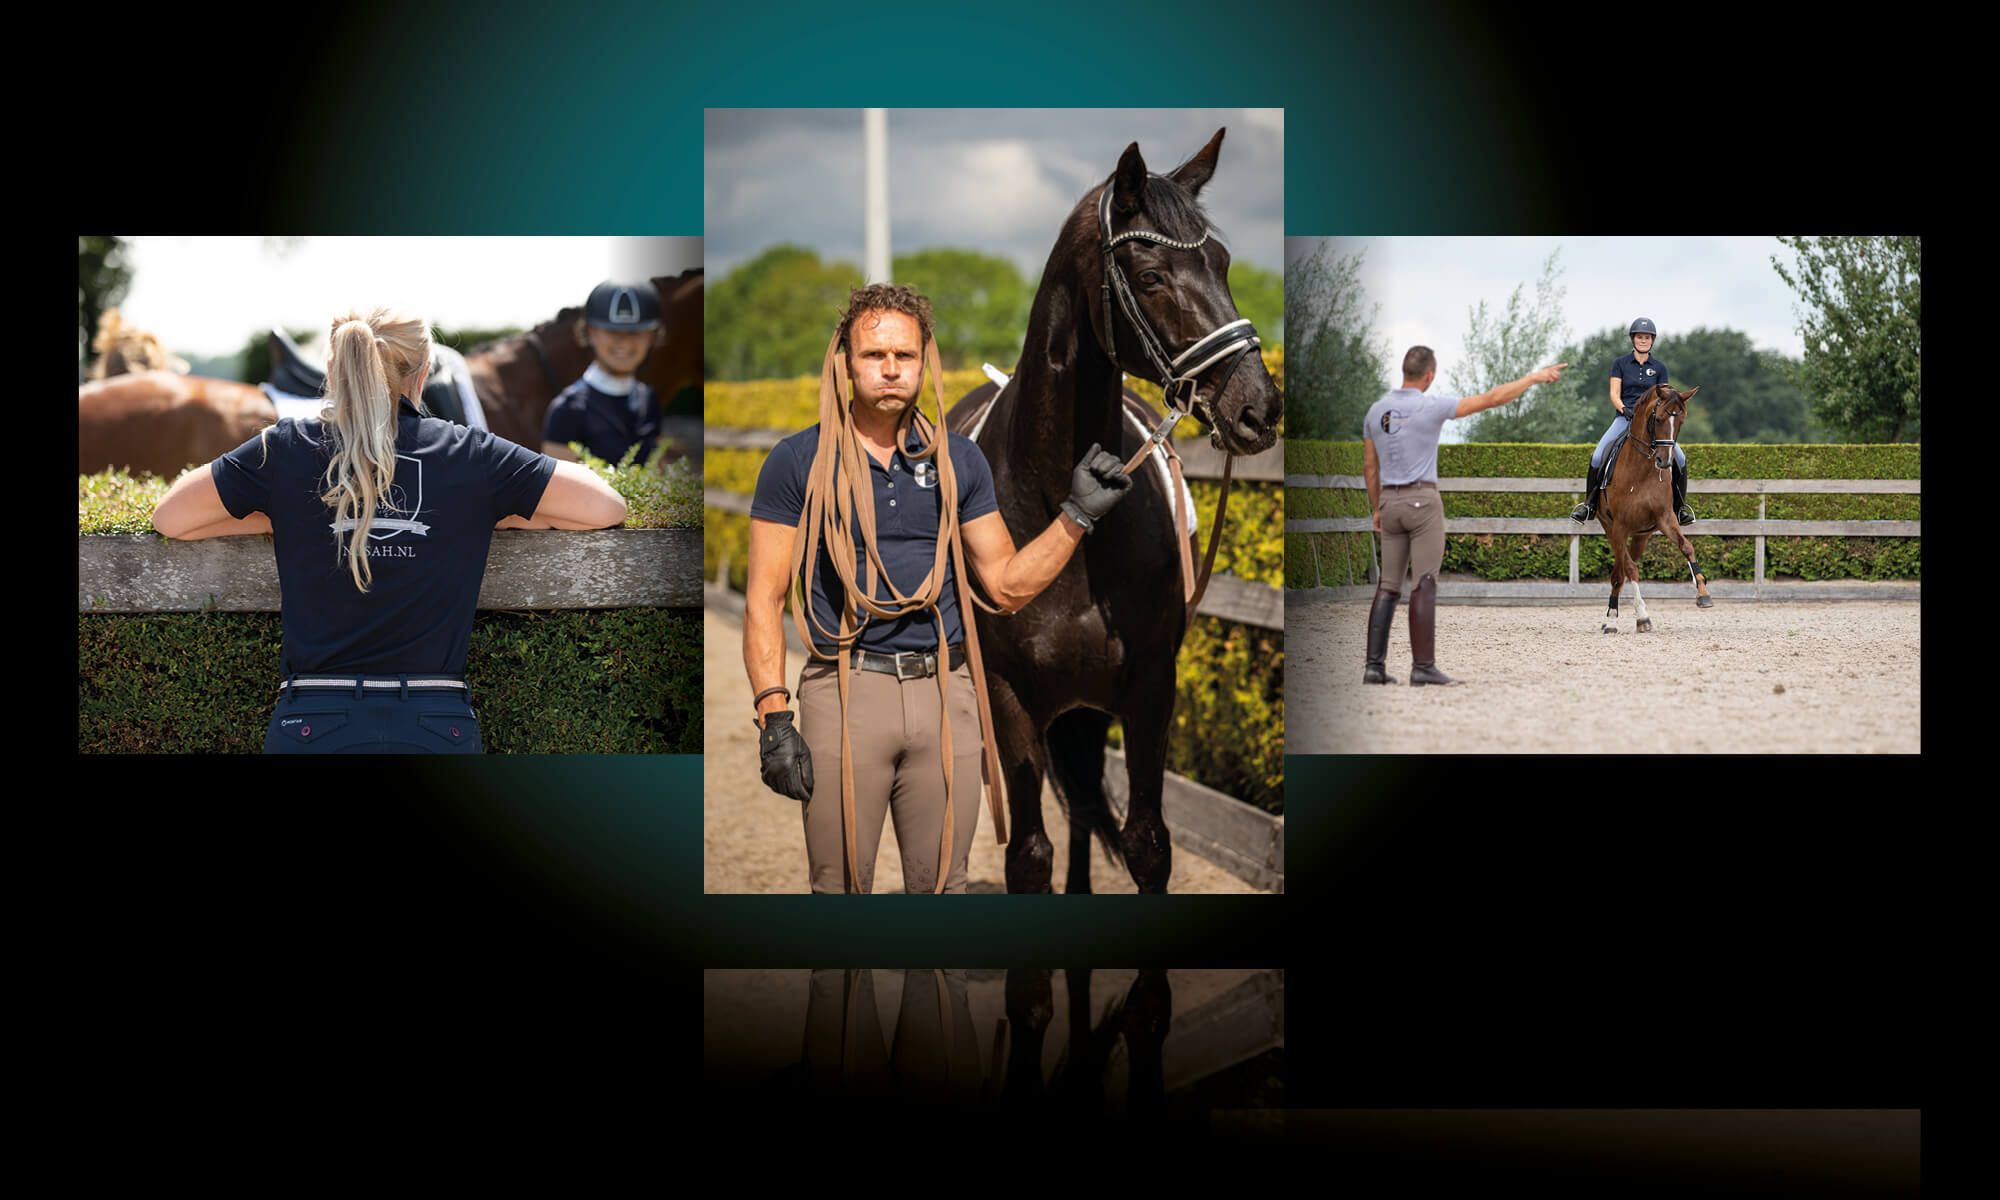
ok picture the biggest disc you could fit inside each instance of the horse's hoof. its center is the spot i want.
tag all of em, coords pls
(1704, 602)
(1645, 627)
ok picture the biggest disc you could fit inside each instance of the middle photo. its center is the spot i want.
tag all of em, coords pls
(995, 525)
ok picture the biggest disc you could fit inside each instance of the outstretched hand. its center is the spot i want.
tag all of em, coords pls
(1548, 374)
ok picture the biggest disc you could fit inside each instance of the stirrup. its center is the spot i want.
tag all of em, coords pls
(1582, 512)
(1685, 516)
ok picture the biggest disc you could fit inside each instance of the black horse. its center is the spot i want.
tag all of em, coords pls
(1101, 641)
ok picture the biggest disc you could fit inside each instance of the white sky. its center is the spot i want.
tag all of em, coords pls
(1428, 285)
(205, 296)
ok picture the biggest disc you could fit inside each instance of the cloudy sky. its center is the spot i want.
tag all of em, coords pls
(206, 295)
(1427, 285)
(997, 180)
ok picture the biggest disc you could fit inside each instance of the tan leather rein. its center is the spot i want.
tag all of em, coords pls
(840, 512)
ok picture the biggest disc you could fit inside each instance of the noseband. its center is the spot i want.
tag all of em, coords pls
(1180, 374)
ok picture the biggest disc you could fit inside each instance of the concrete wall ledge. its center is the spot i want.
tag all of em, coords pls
(548, 569)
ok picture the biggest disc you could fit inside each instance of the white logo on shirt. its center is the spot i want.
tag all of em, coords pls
(926, 473)
(387, 527)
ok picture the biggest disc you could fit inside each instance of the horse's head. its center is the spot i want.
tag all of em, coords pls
(1178, 278)
(1662, 412)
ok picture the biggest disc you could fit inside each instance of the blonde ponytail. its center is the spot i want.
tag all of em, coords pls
(372, 353)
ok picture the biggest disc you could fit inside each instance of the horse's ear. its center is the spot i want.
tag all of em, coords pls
(1128, 183)
(1197, 171)
(1689, 394)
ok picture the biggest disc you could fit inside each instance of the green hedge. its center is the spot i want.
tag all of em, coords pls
(600, 681)
(1546, 556)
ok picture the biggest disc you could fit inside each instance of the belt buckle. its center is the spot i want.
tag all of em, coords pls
(916, 658)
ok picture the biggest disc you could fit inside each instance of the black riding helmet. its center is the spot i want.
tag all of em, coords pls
(1642, 325)
(625, 307)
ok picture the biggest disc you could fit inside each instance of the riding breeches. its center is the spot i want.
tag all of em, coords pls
(384, 721)
(1620, 425)
(899, 764)
(1412, 533)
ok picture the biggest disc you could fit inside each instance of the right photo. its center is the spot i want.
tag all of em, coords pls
(1578, 494)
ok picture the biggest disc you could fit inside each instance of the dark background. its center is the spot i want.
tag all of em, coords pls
(1558, 932)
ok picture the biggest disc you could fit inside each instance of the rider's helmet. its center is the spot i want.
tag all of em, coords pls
(624, 307)
(1642, 325)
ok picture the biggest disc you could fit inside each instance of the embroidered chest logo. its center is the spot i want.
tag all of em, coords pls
(1392, 420)
(1649, 370)
(926, 473)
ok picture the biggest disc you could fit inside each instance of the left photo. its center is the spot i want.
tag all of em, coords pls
(389, 495)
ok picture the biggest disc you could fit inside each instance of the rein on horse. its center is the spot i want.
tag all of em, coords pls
(1177, 380)
(839, 509)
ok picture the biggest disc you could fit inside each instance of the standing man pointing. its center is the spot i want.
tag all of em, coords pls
(1399, 461)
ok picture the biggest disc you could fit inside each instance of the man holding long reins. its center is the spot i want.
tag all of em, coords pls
(889, 705)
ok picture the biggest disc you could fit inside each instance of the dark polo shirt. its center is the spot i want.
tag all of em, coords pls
(907, 511)
(427, 556)
(608, 425)
(1634, 377)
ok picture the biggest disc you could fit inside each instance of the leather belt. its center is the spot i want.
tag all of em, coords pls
(910, 664)
(1398, 487)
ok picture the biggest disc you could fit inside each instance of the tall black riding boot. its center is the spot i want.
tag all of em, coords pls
(1423, 634)
(1381, 615)
(1681, 510)
(1583, 512)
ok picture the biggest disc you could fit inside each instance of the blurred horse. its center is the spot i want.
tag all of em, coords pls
(160, 423)
(123, 348)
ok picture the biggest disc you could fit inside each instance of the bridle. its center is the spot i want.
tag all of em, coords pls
(1660, 456)
(1180, 374)
(1179, 380)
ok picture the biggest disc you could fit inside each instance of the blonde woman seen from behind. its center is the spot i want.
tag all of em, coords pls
(380, 518)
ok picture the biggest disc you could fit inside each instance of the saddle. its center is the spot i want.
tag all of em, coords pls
(447, 392)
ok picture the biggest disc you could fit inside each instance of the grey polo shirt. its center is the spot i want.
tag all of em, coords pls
(1404, 425)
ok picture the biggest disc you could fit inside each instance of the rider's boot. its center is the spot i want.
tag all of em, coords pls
(1681, 512)
(1380, 616)
(1423, 634)
(1584, 511)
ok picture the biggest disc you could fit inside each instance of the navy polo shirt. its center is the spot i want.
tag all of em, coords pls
(1634, 377)
(907, 512)
(608, 425)
(427, 556)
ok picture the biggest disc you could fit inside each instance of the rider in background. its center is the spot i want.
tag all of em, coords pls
(1631, 375)
(609, 410)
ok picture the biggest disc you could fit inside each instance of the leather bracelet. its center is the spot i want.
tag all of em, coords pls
(759, 697)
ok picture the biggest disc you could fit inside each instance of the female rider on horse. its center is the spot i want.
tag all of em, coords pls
(1631, 375)
(380, 518)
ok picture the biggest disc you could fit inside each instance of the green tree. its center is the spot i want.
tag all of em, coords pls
(770, 317)
(1260, 296)
(1746, 395)
(1333, 369)
(980, 301)
(1863, 330)
(1500, 348)
(102, 279)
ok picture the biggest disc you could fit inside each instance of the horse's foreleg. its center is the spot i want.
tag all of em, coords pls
(1149, 852)
(1075, 750)
(1639, 541)
(1620, 564)
(1030, 855)
(1701, 597)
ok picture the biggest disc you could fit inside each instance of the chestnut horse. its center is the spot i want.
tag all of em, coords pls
(161, 423)
(1639, 499)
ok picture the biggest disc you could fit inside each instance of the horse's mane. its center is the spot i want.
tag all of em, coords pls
(124, 348)
(1173, 209)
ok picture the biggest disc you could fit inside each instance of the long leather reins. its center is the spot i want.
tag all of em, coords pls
(839, 508)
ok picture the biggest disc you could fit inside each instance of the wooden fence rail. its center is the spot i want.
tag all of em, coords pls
(1760, 528)
(545, 569)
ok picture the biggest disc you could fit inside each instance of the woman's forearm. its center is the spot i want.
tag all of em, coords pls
(254, 523)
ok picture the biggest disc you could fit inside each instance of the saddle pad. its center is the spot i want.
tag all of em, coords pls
(299, 408)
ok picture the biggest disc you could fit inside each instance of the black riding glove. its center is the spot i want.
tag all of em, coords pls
(1098, 483)
(788, 763)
